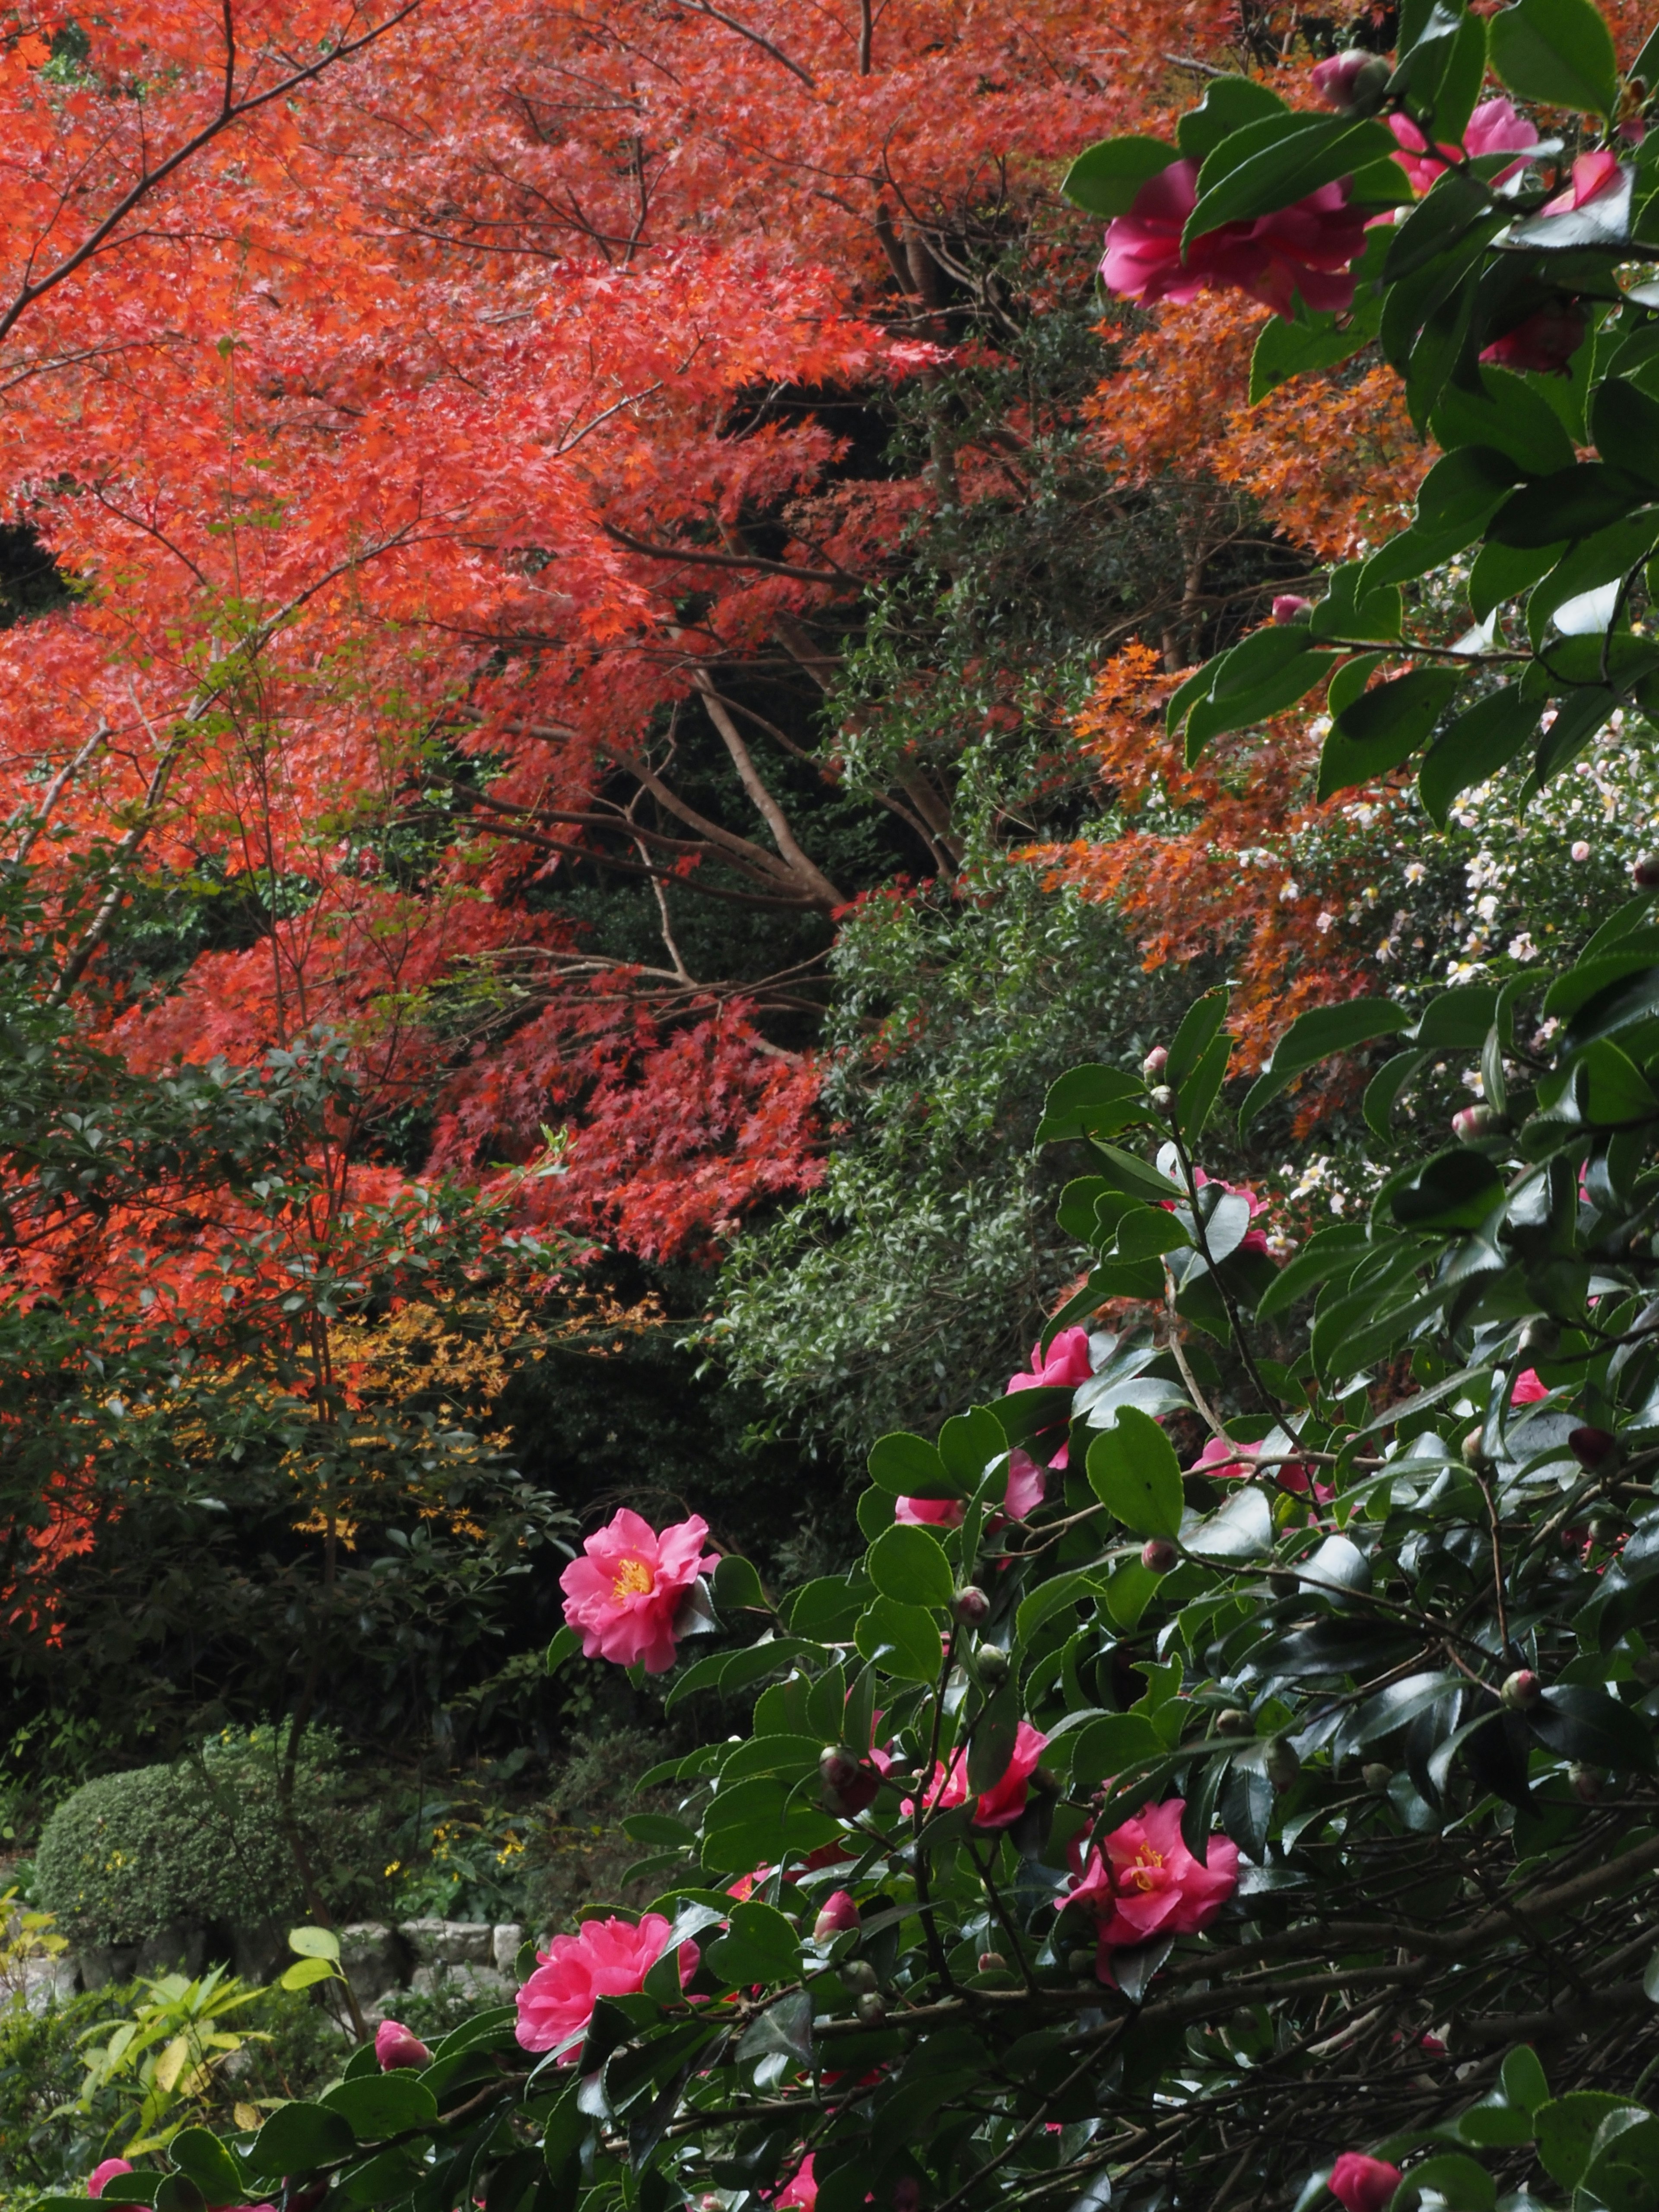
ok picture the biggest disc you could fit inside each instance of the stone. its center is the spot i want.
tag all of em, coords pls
(505, 1946)
(474, 1984)
(102, 1963)
(448, 1942)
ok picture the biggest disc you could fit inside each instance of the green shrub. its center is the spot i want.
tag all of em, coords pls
(130, 1854)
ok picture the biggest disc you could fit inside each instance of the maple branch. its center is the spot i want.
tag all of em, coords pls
(54, 791)
(765, 805)
(833, 575)
(230, 111)
(720, 15)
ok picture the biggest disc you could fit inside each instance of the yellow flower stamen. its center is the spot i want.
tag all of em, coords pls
(635, 1579)
(1142, 1874)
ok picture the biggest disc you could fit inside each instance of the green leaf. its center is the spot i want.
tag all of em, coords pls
(1242, 1529)
(1484, 739)
(911, 1467)
(1507, 413)
(1229, 105)
(1625, 424)
(1382, 1091)
(1346, 612)
(1456, 1190)
(1350, 681)
(1314, 1036)
(1503, 572)
(1295, 348)
(382, 2105)
(198, 2153)
(1381, 728)
(995, 1733)
(1092, 1101)
(1558, 51)
(908, 1563)
(565, 1645)
(177, 2192)
(1613, 1089)
(1105, 178)
(1576, 1722)
(1608, 557)
(1134, 1473)
(903, 1639)
(1327, 1252)
(299, 2137)
(737, 1585)
(1567, 2128)
(1575, 502)
(304, 1971)
(1198, 1027)
(1523, 2078)
(1464, 2186)
(1267, 672)
(314, 1942)
(1282, 172)
(762, 1946)
(1455, 205)
(969, 1443)
(1113, 1742)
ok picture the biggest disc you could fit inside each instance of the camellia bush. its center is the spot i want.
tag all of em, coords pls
(1227, 1779)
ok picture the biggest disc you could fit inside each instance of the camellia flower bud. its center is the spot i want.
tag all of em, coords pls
(1360, 2184)
(1474, 1447)
(993, 1962)
(1474, 1123)
(1521, 1689)
(836, 1915)
(1353, 82)
(1158, 1553)
(1162, 1098)
(848, 1788)
(1593, 1448)
(1586, 1781)
(970, 1607)
(1290, 606)
(1282, 1764)
(858, 1975)
(1231, 1721)
(1377, 1776)
(872, 2008)
(1645, 874)
(397, 2046)
(993, 1665)
(1156, 1062)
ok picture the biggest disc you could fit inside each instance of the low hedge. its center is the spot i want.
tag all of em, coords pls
(199, 1842)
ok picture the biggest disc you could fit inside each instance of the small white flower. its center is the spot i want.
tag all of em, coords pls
(1415, 872)
(1472, 1081)
(1339, 1202)
(1581, 850)
(1290, 891)
(1325, 920)
(1461, 971)
(1486, 908)
(1523, 948)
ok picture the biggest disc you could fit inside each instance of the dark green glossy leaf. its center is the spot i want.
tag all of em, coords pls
(907, 1563)
(1556, 51)
(1134, 1473)
(1105, 178)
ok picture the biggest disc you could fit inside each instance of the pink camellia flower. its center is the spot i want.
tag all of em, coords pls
(1027, 1485)
(622, 1598)
(1364, 2184)
(1338, 80)
(999, 1806)
(1592, 175)
(1290, 606)
(101, 2177)
(605, 1959)
(1224, 1460)
(1066, 1361)
(1253, 1240)
(837, 1914)
(1145, 1882)
(397, 2046)
(1528, 1389)
(1494, 128)
(1064, 1365)
(746, 1884)
(1544, 340)
(1306, 248)
(801, 2192)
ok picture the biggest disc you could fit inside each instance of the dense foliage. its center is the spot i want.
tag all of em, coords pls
(1228, 1769)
